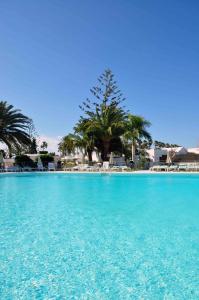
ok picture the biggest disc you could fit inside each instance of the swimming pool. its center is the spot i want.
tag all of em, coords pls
(95, 236)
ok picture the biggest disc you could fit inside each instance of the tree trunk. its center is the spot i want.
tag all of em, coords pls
(10, 152)
(90, 159)
(105, 152)
(133, 151)
(83, 158)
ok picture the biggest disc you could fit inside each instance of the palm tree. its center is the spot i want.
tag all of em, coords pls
(44, 145)
(68, 144)
(72, 142)
(104, 117)
(136, 131)
(13, 127)
(107, 124)
(86, 137)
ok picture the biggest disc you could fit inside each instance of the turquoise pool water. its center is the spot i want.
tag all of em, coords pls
(92, 236)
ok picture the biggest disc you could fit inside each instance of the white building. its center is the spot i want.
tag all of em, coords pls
(159, 155)
(193, 150)
(80, 157)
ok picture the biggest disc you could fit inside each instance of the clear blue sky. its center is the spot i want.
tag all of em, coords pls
(51, 53)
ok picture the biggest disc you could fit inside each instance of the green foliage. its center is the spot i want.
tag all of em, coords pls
(105, 125)
(3, 153)
(159, 144)
(68, 164)
(46, 158)
(44, 145)
(51, 153)
(24, 161)
(136, 128)
(13, 127)
(33, 146)
(137, 135)
(43, 152)
(68, 144)
(104, 117)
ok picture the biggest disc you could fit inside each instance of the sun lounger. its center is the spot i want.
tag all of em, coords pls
(173, 168)
(27, 169)
(76, 168)
(40, 167)
(105, 165)
(196, 168)
(192, 167)
(12, 169)
(115, 168)
(51, 167)
(182, 167)
(160, 168)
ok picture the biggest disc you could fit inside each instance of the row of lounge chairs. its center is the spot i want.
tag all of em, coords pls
(87, 168)
(11, 169)
(180, 167)
(51, 167)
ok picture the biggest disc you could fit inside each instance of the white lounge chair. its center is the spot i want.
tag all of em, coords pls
(115, 168)
(12, 169)
(51, 166)
(182, 167)
(196, 167)
(40, 167)
(76, 168)
(105, 165)
(159, 168)
(173, 168)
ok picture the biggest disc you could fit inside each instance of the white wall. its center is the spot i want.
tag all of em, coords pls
(155, 154)
(193, 150)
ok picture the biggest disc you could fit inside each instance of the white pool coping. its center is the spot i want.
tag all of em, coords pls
(103, 172)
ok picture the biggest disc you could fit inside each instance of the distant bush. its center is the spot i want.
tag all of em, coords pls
(43, 152)
(68, 164)
(52, 153)
(24, 161)
(46, 158)
(59, 164)
(3, 153)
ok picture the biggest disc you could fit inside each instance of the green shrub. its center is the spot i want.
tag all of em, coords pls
(46, 158)
(24, 161)
(68, 164)
(43, 152)
(52, 153)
